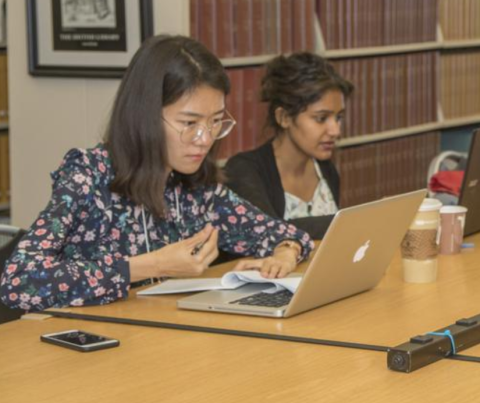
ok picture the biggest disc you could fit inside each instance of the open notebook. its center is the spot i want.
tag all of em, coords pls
(229, 281)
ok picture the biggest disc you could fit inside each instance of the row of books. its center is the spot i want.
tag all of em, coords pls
(3, 88)
(372, 171)
(4, 169)
(244, 104)
(459, 19)
(356, 24)
(236, 28)
(391, 92)
(460, 83)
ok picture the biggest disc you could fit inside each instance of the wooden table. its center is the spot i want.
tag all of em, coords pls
(153, 365)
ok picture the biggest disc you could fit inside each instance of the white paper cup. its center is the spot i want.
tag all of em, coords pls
(452, 224)
(420, 244)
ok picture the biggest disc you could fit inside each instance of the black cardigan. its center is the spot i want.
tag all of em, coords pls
(254, 176)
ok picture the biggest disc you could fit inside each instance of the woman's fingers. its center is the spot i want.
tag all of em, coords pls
(270, 270)
(249, 264)
(284, 272)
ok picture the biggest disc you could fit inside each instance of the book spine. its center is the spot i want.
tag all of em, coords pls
(270, 22)
(259, 27)
(230, 144)
(299, 22)
(207, 25)
(330, 16)
(340, 18)
(349, 18)
(285, 27)
(310, 19)
(195, 19)
(244, 24)
(225, 28)
(250, 104)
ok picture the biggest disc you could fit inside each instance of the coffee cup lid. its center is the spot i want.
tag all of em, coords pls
(430, 205)
(453, 210)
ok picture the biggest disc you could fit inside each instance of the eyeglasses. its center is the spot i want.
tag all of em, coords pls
(218, 130)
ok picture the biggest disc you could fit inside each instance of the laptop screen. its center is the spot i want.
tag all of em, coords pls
(470, 194)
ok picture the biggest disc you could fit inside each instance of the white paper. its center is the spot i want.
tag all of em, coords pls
(254, 276)
(229, 281)
(186, 285)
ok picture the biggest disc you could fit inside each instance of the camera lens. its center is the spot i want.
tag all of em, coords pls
(399, 362)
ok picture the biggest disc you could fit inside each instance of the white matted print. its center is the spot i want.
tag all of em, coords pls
(86, 38)
(88, 14)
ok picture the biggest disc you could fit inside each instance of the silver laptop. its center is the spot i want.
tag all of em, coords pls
(352, 258)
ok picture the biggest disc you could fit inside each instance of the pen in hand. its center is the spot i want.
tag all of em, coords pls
(198, 247)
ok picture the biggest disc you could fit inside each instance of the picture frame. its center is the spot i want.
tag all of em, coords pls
(3, 24)
(85, 38)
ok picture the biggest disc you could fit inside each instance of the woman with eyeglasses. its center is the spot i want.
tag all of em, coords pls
(292, 176)
(146, 203)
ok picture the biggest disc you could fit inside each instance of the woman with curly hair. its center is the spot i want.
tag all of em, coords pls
(291, 176)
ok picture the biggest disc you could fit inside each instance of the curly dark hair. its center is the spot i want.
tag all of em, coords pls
(296, 81)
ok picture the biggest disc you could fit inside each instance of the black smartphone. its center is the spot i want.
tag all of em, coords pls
(80, 340)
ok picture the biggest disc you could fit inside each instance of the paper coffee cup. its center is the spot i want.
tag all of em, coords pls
(452, 224)
(420, 244)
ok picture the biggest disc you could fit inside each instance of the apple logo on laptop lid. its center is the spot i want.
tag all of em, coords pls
(360, 253)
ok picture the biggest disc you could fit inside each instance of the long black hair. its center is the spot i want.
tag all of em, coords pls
(161, 72)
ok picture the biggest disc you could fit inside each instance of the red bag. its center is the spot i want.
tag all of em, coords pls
(447, 182)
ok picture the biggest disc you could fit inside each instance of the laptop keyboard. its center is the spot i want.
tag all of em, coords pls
(274, 300)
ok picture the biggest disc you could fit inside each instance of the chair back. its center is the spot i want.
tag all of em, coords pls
(9, 238)
(445, 161)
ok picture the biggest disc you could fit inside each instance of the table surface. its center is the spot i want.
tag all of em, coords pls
(155, 364)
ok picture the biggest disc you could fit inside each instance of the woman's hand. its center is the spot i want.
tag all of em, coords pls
(187, 258)
(280, 264)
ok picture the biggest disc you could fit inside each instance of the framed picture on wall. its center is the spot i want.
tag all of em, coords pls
(3, 23)
(85, 38)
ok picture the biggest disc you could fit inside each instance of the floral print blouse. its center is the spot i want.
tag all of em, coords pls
(76, 252)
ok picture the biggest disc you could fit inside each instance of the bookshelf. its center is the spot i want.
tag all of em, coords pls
(411, 130)
(462, 44)
(455, 93)
(247, 60)
(380, 50)
(459, 95)
(391, 134)
(407, 59)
